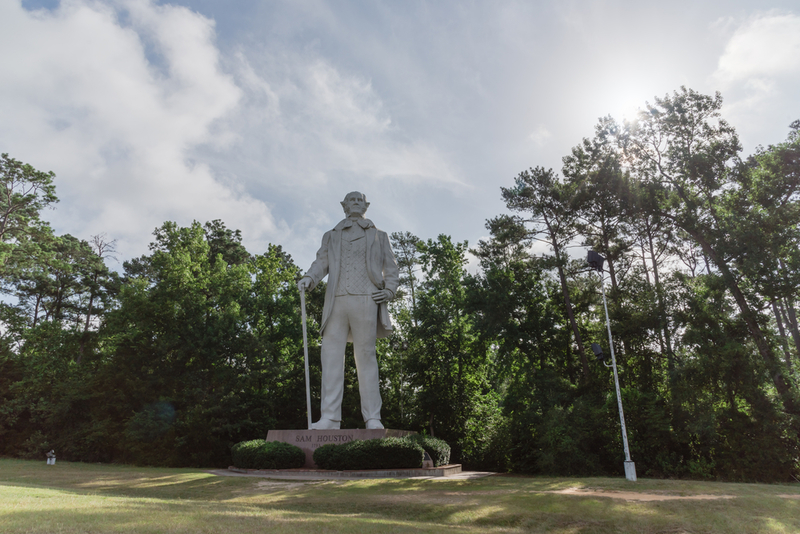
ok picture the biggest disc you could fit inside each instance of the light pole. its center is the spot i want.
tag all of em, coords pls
(596, 261)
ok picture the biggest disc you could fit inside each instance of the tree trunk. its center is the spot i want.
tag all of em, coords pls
(88, 318)
(568, 304)
(614, 293)
(662, 308)
(36, 311)
(792, 323)
(644, 262)
(782, 332)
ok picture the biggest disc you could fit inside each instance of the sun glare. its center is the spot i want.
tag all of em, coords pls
(627, 100)
(628, 111)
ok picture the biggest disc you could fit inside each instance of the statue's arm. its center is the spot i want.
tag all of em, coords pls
(318, 269)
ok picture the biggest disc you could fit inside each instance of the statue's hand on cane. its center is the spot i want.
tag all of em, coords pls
(304, 284)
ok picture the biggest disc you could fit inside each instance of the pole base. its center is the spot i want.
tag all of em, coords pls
(630, 471)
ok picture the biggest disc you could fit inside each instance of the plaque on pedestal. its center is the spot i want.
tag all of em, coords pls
(311, 440)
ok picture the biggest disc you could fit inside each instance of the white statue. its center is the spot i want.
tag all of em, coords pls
(363, 277)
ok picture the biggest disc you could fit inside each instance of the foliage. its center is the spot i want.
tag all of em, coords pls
(381, 453)
(171, 365)
(25, 193)
(437, 449)
(197, 344)
(262, 454)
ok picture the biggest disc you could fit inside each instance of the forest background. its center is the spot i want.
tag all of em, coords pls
(197, 345)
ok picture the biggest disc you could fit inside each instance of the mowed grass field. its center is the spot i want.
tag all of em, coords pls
(77, 498)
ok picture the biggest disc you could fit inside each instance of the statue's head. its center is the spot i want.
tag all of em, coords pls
(355, 204)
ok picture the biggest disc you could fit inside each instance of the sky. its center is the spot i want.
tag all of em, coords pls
(264, 114)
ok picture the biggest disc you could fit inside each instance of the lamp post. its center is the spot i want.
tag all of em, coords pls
(596, 261)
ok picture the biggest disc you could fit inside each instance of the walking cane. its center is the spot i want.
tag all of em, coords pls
(305, 355)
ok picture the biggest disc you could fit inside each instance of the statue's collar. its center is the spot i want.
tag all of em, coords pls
(347, 223)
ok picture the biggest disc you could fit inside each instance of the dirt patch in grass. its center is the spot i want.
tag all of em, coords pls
(635, 496)
(274, 485)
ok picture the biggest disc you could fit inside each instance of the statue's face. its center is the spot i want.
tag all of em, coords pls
(355, 204)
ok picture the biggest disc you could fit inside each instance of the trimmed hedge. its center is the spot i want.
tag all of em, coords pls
(262, 454)
(437, 449)
(381, 453)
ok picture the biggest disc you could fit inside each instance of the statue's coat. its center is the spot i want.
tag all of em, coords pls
(381, 268)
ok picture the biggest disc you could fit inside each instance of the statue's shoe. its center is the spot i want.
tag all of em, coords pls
(374, 424)
(326, 424)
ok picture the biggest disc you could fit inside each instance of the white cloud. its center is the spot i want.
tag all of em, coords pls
(759, 74)
(309, 122)
(310, 132)
(540, 135)
(764, 46)
(148, 111)
(83, 95)
(144, 119)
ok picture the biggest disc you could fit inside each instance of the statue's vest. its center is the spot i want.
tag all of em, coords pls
(353, 277)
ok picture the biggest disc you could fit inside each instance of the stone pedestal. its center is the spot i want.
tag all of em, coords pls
(311, 440)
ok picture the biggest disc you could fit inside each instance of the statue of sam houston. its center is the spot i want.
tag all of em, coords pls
(363, 277)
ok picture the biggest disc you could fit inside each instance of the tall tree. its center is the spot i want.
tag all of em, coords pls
(768, 199)
(224, 241)
(406, 251)
(601, 202)
(25, 193)
(442, 334)
(394, 372)
(449, 366)
(275, 364)
(546, 202)
(181, 337)
(684, 154)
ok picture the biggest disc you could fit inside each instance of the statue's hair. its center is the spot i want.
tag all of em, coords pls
(355, 193)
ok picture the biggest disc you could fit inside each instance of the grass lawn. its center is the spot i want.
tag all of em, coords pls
(76, 498)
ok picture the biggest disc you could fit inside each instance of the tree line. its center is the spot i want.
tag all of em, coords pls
(197, 345)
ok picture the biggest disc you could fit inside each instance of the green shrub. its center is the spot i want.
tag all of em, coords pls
(437, 449)
(261, 454)
(330, 457)
(381, 453)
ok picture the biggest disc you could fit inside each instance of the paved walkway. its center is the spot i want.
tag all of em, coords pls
(343, 475)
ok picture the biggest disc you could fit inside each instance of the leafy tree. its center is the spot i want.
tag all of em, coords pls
(547, 202)
(601, 201)
(724, 425)
(396, 352)
(448, 365)
(180, 340)
(275, 363)
(442, 337)
(685, 154)
(25, 193)
(406, 250)
(767, 202)
(224, 241)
